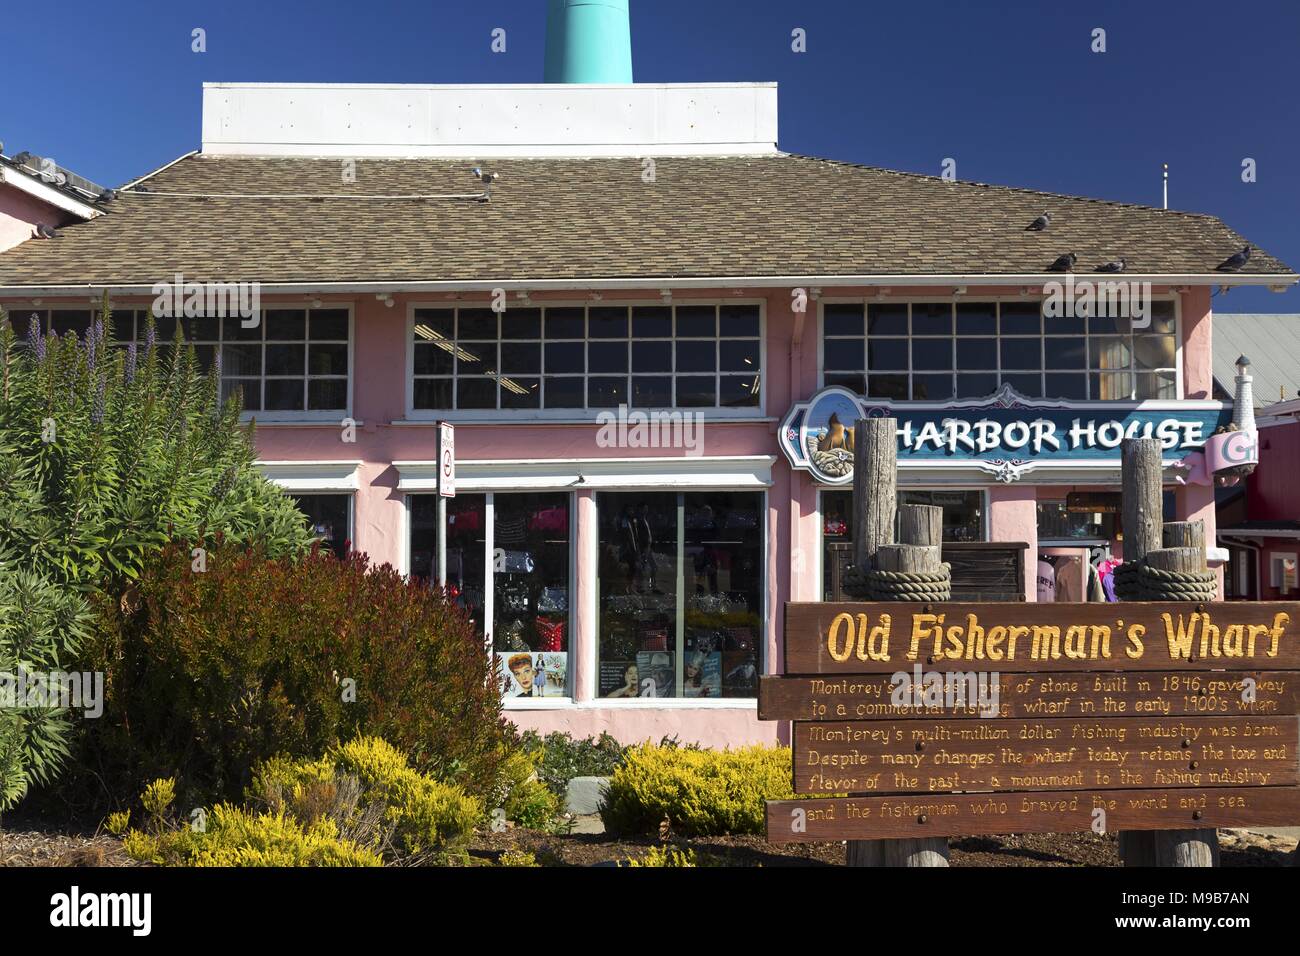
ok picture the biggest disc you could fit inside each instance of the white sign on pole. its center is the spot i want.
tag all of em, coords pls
(446, 460)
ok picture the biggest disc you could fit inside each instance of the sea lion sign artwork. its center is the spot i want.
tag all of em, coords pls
(1004, 435)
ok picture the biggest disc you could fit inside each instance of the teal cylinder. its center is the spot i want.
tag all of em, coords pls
(588, 41)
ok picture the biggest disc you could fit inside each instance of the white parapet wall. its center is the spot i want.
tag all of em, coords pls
(386, 120)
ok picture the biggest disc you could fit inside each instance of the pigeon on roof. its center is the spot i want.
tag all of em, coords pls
(1039, 224)
(1115, 265)
(1235, 262)
(1064, 263)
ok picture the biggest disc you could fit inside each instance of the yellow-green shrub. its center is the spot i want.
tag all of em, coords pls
(235, 837)
(699, 792)
(517, 858)
(528, 801)
(665, 856)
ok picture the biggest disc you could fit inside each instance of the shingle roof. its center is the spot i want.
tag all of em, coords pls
(597, 218)
(1271, 342)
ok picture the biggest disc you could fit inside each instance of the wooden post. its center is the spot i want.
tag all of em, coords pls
(1142, 512)
(875, 469)
(921, 531)
(1184, 847)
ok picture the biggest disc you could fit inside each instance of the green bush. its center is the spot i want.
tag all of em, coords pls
(526, 800)
(105, 453)
(213, 672)
(658, 856)
(562, 757)
(699, 792)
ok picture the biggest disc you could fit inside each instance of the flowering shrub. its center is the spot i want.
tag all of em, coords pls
(211, 672)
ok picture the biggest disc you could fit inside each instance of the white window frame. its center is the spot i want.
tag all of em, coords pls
(585, 415)
(909, 301)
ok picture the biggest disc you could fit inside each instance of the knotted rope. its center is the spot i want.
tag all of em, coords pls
(1159, 585)
(874, 585)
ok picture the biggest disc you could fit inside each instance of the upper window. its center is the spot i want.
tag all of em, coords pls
(294, 361)
(939, 351)
(580, 357)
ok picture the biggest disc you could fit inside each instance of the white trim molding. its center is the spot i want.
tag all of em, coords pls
(730, 472)
(48, 194)
(312, 475)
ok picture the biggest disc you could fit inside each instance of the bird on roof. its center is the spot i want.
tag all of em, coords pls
(1064, 263)
(1115, 265)
(1039, 224)
(1235, 262)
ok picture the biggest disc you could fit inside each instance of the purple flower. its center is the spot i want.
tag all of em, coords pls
(92, 348)
(150, 339)
(101, 388)
(130, 363)
(34, 339)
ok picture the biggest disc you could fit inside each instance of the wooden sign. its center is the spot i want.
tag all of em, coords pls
(957, 694)
(882, 638)
(979, 814)
(1027, 755)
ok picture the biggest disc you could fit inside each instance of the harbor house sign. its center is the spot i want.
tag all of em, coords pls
(1005, 435)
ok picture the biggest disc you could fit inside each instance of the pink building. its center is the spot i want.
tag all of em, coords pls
(649, 326)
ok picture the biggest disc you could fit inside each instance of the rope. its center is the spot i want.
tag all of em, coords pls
(1128, 584)
(1160, 585)
(875, 585)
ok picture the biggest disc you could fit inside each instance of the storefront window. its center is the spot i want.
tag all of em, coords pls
(943, 351)
(681, 590)
(523, 584)
(1057, 523)
(331, 519)
(963, 520)
(575, 357)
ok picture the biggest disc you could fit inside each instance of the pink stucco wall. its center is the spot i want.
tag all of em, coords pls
(19, 214)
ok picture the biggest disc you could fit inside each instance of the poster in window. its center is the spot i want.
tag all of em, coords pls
(655, 672)
(702, 674)
(524, 674)
(619, 679)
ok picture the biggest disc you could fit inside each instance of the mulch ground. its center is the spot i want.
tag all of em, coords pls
(42, 846)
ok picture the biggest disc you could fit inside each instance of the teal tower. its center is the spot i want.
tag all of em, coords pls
(588, 41)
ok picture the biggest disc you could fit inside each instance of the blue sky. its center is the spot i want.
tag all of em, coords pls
(1008, 88)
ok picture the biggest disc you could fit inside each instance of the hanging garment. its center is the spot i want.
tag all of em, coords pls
(1046, 581)
(1095, 591)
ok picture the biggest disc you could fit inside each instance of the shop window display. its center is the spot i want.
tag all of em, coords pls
(680, 594)
(330, 517)
(526, 576)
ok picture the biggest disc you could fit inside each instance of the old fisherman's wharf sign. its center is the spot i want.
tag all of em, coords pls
(1005, 435)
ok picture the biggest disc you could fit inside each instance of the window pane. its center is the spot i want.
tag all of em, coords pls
(286, 359)
(429, 323)
(565, 323)
(432, 359)
(932, 388)
(695, 321)
(1028, 384)
(521, 356)
(652, 356)
(652, 391)
(476, 324)
(326, 324)
(740, 321)
(931, 318)
(1109, 386)
(886, 320)
(607, 357)
(841, 319)
(1111, 351)
(202, 329)
(606, 391)
(476, 392)
(1157, 385)
(1067, 386)
(326, 394)
(562, 357)
(521, 392)
(1162, 317)
(328, 516)
(963, 511)
(887, 386)
(1022, 353)
(740, 391)
(697, 391)
(977, 318)
(931, 354)
(203, 355)
(250, 390)
(977, 353)
(522, 324)
(976, 386)
(284, 324)
(241, 360)
(1065, 353)
(122, 326)
(284, 394)
(844, 355)
(854, 383)
(739, 355)
(697, 356)
(1154, 351)
(77, 320)
(433, 393)
(232, 330)
(888, 354)
(1021, 318)
(652, 322)
(607, 322)
(326, 359)
(475, 358)
(564, 392)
